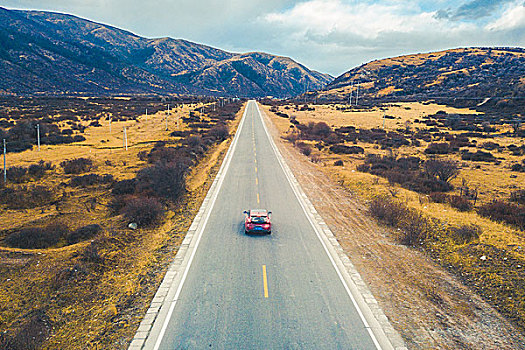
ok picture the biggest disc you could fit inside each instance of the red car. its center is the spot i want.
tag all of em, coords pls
(257, 220)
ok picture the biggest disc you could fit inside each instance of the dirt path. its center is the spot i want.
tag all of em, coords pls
(430, 308)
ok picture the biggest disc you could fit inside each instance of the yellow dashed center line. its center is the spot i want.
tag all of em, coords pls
(258, 200)
(255, 169)
(265, 282)
(256, 180)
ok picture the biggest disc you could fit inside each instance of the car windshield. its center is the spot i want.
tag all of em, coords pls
(258, 219)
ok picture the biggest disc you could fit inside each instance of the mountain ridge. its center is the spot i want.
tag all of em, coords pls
(467, 73)
(54, 53)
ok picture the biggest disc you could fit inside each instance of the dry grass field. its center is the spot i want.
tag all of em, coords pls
(93, 293)
(491, 264)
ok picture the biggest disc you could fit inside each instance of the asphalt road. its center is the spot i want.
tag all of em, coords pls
(277, 291)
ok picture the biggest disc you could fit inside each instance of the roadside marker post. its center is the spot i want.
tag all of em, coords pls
(110, 124)
(146, 114)
(38, 136)
(357, 94)
(5, 168)
(125, 139)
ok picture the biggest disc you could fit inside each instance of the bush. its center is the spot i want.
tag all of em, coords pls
(438, 148)
(17, 174)
(466, 233)
(304, 148)
(26, 197)
(219, 132)
(518, 196)
(414, 227)
(461, 203)
(510, 213)
(343, 149)
(479, 156)
(90, 180)
(339, 163)
(144, 211)
(164, 180)
(490, 146)
(76, 166)
(37, 171)
(83, 233)
(439, 197)
(387, 211)
(124, 187)
(444, 170)
(37, 238)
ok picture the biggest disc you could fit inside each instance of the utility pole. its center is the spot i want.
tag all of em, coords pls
(167, 115)
(5, 168)
(351, 92)
(306, 91)
(125, 139)
(38, 136)
(357, 94)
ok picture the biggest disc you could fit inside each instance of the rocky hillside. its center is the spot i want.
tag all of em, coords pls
(50, 53)
(469, 74)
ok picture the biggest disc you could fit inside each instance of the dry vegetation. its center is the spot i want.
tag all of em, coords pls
(450, 181)
(72, 274)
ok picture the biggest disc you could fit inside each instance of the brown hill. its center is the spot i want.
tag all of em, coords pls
(472, 74)
(51, 53)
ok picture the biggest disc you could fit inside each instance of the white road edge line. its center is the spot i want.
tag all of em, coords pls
(221, 174)
(385, 341)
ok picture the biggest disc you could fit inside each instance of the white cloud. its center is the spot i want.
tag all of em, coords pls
(323, 17)
(512, 18)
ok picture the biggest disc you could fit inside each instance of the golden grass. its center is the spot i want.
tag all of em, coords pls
(498, 279)
(492, 181)
(92, 305)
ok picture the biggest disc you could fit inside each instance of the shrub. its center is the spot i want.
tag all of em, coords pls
(414, 227)
(37, 171)
(17, 174)
(343, 149)
(83, 233)
(304, 148)
(26, 197)
(444, 170)
(165, 180)
(439, 197)
(77, 165)
(219, 132)
(438, 148)
(37, 238)
(518, 196)
(144, 211)
(124, 187)
(386, 210)
(479, 156)
(489, 145)
(466, 233)
(90, 180)
(510, 213)
(339, 163)
(461, 203)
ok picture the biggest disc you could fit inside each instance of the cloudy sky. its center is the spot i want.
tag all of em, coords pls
(331, 36)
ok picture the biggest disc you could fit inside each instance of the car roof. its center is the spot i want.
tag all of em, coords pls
(258, 212)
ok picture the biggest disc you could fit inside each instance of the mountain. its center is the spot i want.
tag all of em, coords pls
(52, 53)
(465, 73)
